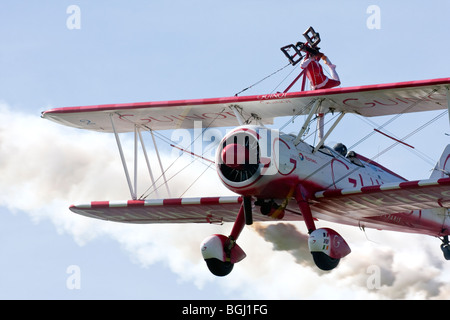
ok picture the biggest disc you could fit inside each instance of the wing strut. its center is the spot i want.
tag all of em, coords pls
(148, 163)
(315, 107)
(160, 164)
(322, 139)
(124, 164)
(132, 185)
(448, 101)
(237, 114)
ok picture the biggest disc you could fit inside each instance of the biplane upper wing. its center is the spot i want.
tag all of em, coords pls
(212, 210)
(368, 101)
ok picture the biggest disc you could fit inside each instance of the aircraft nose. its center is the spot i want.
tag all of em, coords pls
(235, 156)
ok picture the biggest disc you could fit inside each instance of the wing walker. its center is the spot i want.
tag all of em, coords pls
(279, 176)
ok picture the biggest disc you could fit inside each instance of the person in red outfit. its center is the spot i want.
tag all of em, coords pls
(315, 74)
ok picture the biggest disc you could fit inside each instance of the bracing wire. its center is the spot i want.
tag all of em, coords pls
(162, 137)
(258, 82)
(413, 133)
(193, 182)
(167, 140)
(146, 193)
(415, 151)
(397, 143)
(279, 84)
(380, 127)
(393, 145)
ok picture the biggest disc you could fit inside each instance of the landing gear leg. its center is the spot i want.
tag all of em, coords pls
(326, 245)
(445, 247)
(248, 210)
(240, 222)
(221, 252)
(301, 197)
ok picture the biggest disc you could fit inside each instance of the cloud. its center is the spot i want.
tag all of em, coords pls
(46, 167)
(286, 237)
(373, 270)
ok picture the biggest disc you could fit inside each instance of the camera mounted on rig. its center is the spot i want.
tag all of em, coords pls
(312, 40)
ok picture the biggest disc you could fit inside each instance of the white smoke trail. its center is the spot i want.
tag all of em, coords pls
(45, 167)
(374, 269)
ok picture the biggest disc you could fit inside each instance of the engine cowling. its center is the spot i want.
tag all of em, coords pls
(238, 158)
(245, 156)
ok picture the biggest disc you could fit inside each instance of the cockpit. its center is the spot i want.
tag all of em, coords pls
(340, 149)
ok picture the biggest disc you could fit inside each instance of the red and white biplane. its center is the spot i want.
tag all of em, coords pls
(280, 176)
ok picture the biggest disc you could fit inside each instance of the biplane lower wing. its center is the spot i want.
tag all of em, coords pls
(355, 203)
(384, 199)
(212, 210)
(368, 101)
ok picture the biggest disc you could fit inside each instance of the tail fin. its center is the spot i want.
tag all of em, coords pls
(442, 168)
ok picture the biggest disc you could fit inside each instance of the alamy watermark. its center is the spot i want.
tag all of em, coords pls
(373, 22)
(73, 281)
(73, 21)
(373, 281)
(250, 145)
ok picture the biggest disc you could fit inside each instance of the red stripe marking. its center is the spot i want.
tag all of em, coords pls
(444, 181)
(399, 141)
(368, 189)
(100, 204)
(214, 200)
(172, 202)
(135, 203)
(409, 184)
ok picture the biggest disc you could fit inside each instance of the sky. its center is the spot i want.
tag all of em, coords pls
(120, 51)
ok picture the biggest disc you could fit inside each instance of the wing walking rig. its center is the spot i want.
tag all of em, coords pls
(279, 176)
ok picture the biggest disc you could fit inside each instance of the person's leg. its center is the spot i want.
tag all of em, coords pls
(334, 81)
(331, 84)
